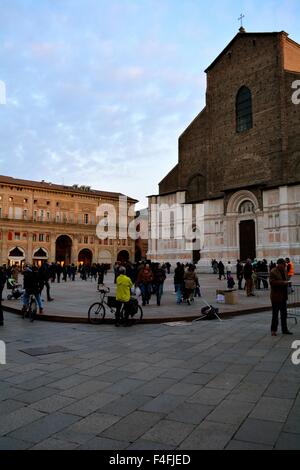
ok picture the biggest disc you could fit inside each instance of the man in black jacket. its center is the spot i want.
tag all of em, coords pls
(45, 275)
(179, 282)
(248, 271)
(2, 284)
(32, 286)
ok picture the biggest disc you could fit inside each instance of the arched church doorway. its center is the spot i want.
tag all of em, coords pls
(123, 256)
(63, 250)
(85, 257)
(247, 240)
(138, 255)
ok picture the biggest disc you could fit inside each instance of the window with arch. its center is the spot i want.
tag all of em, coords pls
(244, 116)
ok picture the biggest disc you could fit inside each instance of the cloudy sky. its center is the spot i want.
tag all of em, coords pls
(98, 91)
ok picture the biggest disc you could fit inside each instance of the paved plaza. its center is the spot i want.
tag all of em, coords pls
(72, 300)
(201, 385)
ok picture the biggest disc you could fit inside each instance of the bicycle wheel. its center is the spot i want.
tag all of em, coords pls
(96, 313)
(32, 310)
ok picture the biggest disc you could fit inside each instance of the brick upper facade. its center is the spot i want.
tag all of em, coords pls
(215, 160)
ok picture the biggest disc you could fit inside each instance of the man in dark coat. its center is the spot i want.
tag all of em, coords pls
(279, 297)
(45, 274)
(248, 271)
(2, 284)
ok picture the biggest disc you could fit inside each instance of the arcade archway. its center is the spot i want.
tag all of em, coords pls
(16, 256)
(63, 249)
(85, 257)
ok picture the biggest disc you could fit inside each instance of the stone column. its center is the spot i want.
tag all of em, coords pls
(4, 247)
(29, 249)
(74, 257)
(52, 253)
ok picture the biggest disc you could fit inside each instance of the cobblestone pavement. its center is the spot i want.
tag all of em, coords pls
(202, 385)
(72, 299)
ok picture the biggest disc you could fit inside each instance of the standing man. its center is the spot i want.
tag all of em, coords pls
(45, 275)
(2, 284)
(179, 282)
(221, 269)
(159, 277)
(279, 296)
(228, 269)
(240, 273)
(248, 272)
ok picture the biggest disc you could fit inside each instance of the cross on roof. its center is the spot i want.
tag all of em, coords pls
(241, 19)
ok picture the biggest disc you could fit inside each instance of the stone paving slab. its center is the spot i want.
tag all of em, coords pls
(205, 385)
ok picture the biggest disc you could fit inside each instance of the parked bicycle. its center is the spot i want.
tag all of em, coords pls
(107, 304)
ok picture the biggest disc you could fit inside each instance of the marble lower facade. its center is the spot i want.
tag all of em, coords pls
(247, 223)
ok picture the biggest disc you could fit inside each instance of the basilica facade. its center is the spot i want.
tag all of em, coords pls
(239, 160)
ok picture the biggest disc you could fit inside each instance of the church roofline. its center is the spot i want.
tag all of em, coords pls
(191, 123)
(239, 35)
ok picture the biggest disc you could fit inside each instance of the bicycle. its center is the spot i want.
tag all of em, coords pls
(97, 310)
(30, 311)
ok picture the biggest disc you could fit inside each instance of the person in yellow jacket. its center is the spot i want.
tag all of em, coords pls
(123, 292)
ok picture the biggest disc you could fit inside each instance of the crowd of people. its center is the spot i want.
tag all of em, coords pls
(255, 273)
(36, 278)
(147, 279)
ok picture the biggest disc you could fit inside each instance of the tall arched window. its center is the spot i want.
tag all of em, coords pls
(244, 120)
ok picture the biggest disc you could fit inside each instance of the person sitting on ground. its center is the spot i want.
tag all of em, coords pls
(230, 282)
(123, 293)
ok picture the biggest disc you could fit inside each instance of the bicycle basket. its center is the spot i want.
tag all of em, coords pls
(111, 301)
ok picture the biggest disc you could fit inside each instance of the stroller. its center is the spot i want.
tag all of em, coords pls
(16, 289)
